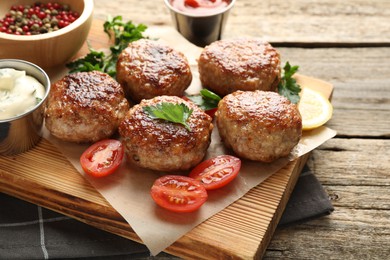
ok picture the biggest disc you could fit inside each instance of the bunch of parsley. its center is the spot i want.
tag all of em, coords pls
(123, 33)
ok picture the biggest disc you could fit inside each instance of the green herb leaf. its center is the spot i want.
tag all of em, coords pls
(122, 33)
(206, 100)
(176, 113)
(94, 60)
(288, 86)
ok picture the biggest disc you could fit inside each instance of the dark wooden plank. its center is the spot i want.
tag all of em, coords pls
(361, 97)
(44, 177)
(355, 173)
(347, 234)
(354, 167)
(44, 172)
(360, 77)
(360, 196)
(354, 162)
(287, 23)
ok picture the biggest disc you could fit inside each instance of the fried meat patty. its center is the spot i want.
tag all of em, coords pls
(161, 145)
(239, 64)
(148, 68)
(259, 125)
(85, 107)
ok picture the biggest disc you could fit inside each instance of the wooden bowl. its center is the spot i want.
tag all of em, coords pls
(49, 49)
(23, 131)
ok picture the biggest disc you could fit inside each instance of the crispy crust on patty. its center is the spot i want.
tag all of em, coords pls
(148, 68)
(239, 64)
(259, 125)
(161, 145)
(85, 107)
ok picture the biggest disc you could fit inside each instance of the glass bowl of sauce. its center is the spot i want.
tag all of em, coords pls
(24, 88)
(200, 21)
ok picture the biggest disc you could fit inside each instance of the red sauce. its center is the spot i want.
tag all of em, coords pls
(199, 7)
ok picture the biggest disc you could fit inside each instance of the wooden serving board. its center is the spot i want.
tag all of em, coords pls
(241, 231)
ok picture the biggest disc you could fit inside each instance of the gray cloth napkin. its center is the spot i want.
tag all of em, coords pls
(28, 231)
(307, 201)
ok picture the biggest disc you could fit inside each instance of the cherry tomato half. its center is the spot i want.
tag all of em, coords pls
(102, 158)
(216, 172)
(192, 3)
(211, 112)
(178, 193)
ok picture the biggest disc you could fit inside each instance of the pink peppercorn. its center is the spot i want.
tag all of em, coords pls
(37, 18)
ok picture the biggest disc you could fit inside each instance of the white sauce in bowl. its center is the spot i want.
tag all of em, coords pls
(19, 93)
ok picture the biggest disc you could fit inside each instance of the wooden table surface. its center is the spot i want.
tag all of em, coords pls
(346, 43)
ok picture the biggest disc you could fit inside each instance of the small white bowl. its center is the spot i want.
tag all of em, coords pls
(49, 49)
(22, 132)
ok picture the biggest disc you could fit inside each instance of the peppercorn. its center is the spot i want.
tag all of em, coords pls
(34, 27)
(37, 18)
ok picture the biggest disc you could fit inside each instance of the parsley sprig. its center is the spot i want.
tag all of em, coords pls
(206, 99)
(176, 113)
(122, 33)
(288, 86)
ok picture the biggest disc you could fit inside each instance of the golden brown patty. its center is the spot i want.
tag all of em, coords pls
(161, 145)
(239, 64)
(259, 125)
(85, 107)
(147, 69)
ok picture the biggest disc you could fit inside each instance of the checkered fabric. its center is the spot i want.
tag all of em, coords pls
(28, 231)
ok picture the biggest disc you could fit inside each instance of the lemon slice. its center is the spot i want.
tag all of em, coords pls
(315, 109)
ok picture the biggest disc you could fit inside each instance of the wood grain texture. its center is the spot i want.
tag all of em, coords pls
(357, 236)
(43, 176)
(353, 167)
(359, 227)
(361, 98)
(286, 23)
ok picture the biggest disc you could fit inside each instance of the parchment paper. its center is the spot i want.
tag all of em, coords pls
(128, 189)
